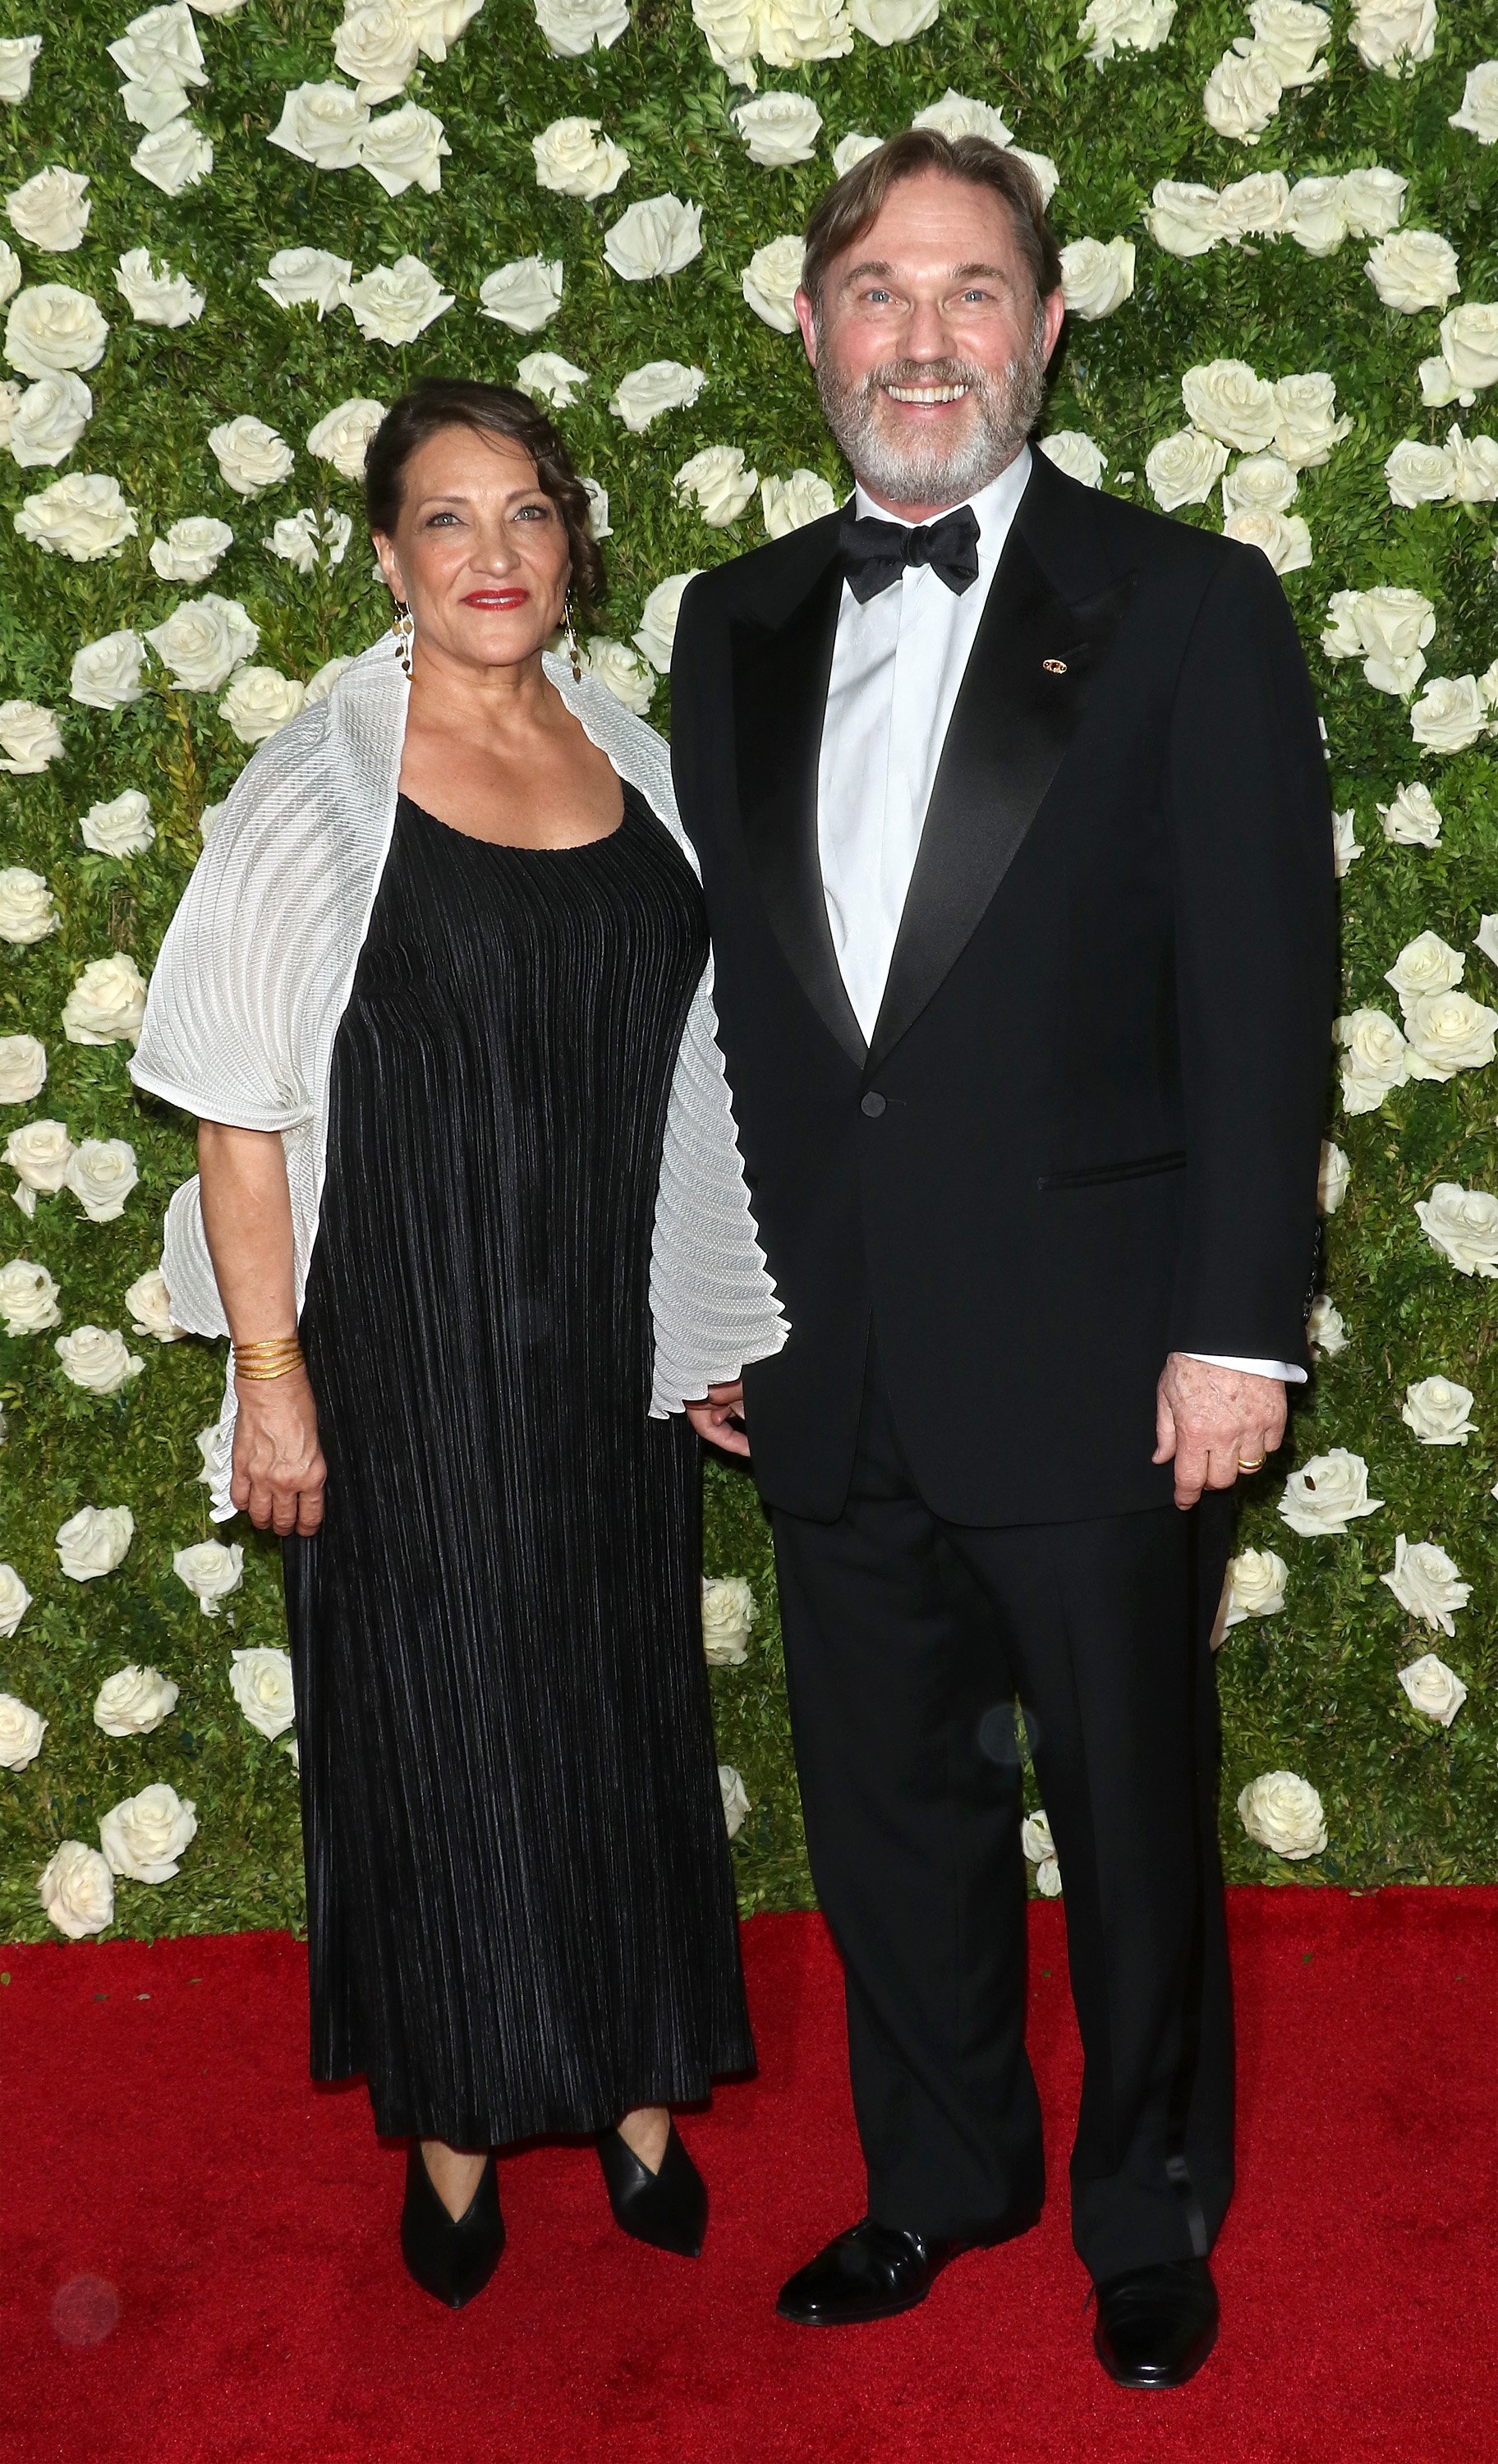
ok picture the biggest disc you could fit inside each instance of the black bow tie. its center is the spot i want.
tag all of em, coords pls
(875, 552)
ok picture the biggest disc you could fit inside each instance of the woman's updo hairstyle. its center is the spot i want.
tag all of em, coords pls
(437, 403)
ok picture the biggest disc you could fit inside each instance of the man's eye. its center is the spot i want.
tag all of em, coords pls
(876, 299)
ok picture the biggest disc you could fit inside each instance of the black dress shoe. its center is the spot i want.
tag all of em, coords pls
(450, 2258)
(875, 2272)
(669, 2209)
(1156, 2326)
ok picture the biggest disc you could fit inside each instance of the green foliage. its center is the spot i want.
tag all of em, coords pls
(1312, 1689)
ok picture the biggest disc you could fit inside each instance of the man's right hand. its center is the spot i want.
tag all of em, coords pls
(719, 1419)
(279, 1471)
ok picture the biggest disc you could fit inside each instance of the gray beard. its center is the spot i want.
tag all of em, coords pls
(915, 472)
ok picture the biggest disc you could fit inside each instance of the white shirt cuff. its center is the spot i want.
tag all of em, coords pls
(1282, 1369)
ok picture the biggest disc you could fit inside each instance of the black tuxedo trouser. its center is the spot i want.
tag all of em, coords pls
(906, 1642)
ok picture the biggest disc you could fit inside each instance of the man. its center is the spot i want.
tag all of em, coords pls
(1015, 833)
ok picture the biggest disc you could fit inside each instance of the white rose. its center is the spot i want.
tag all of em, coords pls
(121, 827)
(437, 24)
(1425, 1582)
(779, 128)
(204, 640)
(1326, 1330)
(1433, 1688)
(1462, 1224)
(1284, 538)
(1306, 424)
(1478, 112)
(76, 1891)
(1418, 475)
(21, 1733)
(155, 101)
(958, 115)
(1468, 346)
(95, 1541)
(1125, 25)
(174, 158)
(1375, 1059)
(790, 504)
(209, 821)
(1225, 399)
(1260, 484)
(27, 1298)
(321, 684)
(1438, 387)
(51, 208)
(134, 1702)
(1096, 277)
(211, 1571)
(102, 1173)
(37, 1154)
(572, 27)
(894, 21)
(51, 329)
(1327, 1494)
(84, 517)
(1076, 454)
(1256, 1585)
(300, 539)
(107, 1002)
(162, 45)
(405, 149)
(802, 30)
(149, 1304)
(145, 1835)
(1449, 1031)
(599, 526)
(851, 150)
(260, 701)
(1255, 208)
(1317, 214)
(1438, 1411)
(771, 279)
(10, 404)
(728, 1612)
(627, 677)
(15, 1600)
(736, 1804)
(1373, 200)
(1035, 1839)
(394, 303)
(1184, 218)
(1427, 964)
(1450, 715)
(1485, 939)
(251, 456)
(525, 295)
(342, 436)
(106, 674)
(17, 58)
(1241, 94)
(1474, 467)
(1392, 628)
(23, 1066)
(305, 277)
(548, 378)
(655, 238)
(260, 1682)
(323, 124)
(27, 912)
(1289, 35)
(206, 1443)
(100, 1362)
(659, 385)
(656, 632)
(732, 28)
(190, 549)
(48, 421)
(718, 484)
(1282, 1812)
(31, 736)
(1412, 819)
(1185, 468)
(1041, 168)
(1394, 35)
(1412, 269)
(576, 162)
(376, 47)
(154, 295)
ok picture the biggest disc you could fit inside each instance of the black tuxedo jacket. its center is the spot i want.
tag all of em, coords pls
(1087, 1131)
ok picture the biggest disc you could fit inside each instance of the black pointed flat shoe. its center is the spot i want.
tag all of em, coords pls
(1156, 2326)
(450, 2258)
(667, 2209)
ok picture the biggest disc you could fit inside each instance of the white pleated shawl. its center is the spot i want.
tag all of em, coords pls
(257, 969)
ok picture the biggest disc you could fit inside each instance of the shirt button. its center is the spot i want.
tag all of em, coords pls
(871, 1106)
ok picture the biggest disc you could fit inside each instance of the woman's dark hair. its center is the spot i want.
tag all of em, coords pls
(491, 410)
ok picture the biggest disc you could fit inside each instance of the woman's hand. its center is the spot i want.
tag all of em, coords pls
(279, 1471)
(718, 1419)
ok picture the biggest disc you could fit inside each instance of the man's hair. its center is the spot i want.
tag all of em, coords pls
(849, 208)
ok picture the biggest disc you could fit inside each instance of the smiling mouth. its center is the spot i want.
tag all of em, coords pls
(926, 394)
(495, 598)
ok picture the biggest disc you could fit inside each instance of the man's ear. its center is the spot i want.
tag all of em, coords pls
(807, 319)
(1054, 310)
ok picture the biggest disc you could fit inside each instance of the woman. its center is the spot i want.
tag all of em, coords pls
(470, 1207)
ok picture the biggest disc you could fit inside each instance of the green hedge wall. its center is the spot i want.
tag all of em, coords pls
(1311, 1689)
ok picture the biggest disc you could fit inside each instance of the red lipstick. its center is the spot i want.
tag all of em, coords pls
(492, 601)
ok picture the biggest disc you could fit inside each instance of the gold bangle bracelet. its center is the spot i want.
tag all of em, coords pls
(263, 1376)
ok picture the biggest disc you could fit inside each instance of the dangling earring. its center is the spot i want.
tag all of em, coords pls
(569, 636)
(405, 632)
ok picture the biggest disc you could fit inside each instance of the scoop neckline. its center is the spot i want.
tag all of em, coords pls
(518, 846)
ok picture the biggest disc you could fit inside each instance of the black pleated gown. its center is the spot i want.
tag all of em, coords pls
(519, 1898)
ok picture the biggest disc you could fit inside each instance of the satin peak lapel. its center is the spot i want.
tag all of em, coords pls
(781, 675)
(1021, 703)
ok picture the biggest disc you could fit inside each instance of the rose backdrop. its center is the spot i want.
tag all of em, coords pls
(233, 230)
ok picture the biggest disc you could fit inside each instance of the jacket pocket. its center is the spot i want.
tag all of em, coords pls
(1096, 1176)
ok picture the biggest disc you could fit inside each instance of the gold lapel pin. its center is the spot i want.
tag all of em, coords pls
(1054, 667)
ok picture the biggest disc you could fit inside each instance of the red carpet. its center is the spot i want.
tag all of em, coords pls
(167, 2165)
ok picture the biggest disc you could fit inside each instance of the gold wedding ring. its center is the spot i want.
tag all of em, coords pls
(1257, 1464)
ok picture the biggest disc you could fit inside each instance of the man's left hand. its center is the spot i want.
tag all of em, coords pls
(1214, 1422)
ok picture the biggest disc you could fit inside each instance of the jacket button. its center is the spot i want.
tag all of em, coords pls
(871, 1106)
